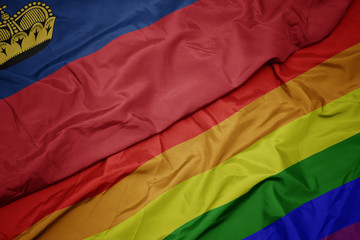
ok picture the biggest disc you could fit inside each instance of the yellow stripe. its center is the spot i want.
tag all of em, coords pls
(296, 141)
(298, 97)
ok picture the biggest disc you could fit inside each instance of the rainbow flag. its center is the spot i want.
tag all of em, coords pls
(209, 119)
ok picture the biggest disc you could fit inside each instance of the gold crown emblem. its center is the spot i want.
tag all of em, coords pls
(25, 33)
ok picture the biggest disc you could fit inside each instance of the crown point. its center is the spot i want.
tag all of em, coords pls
(43, 4)
(49, 10)
(15, 15)
(16, 31)
(47, 7)
(29, 4)
(39, 3)
(34, 3)
(50, 14)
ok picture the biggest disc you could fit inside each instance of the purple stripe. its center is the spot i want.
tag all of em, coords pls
(351, 232)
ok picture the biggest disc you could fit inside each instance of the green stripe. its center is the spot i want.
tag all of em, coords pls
(276, 196)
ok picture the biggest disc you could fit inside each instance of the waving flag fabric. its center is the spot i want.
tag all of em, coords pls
(86, 149)
(101, 103)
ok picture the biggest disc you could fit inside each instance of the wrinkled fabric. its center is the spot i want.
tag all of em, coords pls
(141, 83)
(103, 175)
(283, 124)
